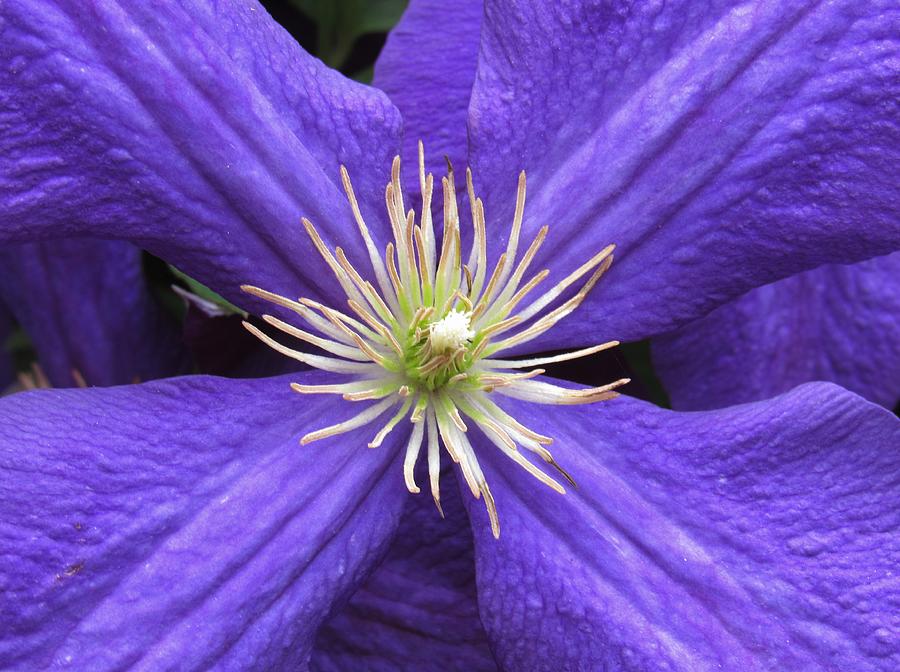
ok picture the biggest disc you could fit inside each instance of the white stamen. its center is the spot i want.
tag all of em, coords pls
(427, 332)
(451, 332)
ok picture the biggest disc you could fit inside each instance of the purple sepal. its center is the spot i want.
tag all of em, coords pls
(836, 323)
(86, 307)
(721, 146)
(201, 132)
(418, 611)
(759, 537)
(180, 524)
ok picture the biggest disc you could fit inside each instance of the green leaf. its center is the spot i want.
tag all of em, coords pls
(18, 346)
(638, 356)
(206, 293)
(365, 75)
(339, 24)
(371, 16)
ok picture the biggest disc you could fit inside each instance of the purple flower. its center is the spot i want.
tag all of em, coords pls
(179, 524)
(88, 311)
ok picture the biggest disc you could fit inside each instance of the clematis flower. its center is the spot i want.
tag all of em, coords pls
(88, 312)
(179, 524)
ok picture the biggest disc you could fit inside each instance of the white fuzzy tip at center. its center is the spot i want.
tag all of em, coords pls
(451, 332)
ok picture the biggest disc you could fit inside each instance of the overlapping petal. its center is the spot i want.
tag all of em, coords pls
(418, 611)
(835, 323)
(427, 67)
(178, 524)
(86, 307)
(761, 537)
(721, 146)
(201, 132)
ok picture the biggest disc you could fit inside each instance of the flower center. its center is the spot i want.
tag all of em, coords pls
(439, 352)
(450, 333)
(423, 343)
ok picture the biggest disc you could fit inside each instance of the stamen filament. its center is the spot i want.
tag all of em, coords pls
(374, 258)
(379, 438)
(309, 316)
(327, 345)
(412, 455)
(558, 289)
(358, 420)
(427, 330)
(540, 361)
(324, 363)
(539, 392)
(434, 459)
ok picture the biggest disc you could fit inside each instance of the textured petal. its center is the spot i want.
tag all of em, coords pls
(85, 306)
(760, 537)
(427, 67)
(721, 146)
(179, 525)
(200, 131)
(418, 611)
(836, 323)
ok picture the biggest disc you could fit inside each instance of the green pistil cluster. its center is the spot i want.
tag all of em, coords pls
(431, 379)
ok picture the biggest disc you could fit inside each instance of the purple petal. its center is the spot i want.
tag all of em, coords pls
(179, 524)
(418, 611)
(720, 147)
(85, 306)
(6, 364)
(427, 67)
(199, 132)
(836, 323)
(760, 537)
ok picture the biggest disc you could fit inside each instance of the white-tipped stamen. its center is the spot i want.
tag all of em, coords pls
(384, 431)
(412, 455)
(424, 335)
(340, 321)
(358, 420)
(491, 509)
(485, 405)
(504, 299)
(374, 258)
(539, 392)
(347, 389)
(328, 345)
(312, 318)
(324, 363)
(519, 459)
(541, 361)
(494, 380)
(339, 273)
(365, 288)
(559, 288)
(434, 460)
(488, 295)
(513, 243)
